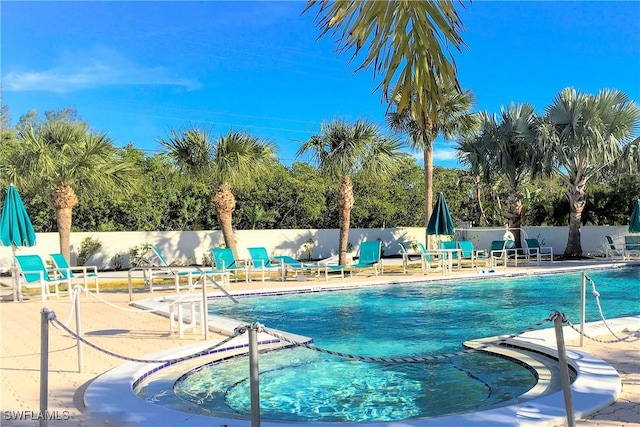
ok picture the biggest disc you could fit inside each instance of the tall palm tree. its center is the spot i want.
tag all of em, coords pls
(63, 157)
(470, 153)
(342, 149)
(511, 150)
(235, 160)
(452, 117)
(506, 149)
(583, 135)
(408, 45)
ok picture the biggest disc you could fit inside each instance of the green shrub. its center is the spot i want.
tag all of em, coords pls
(88, 247)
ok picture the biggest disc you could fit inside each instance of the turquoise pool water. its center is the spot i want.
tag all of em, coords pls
(397, 321)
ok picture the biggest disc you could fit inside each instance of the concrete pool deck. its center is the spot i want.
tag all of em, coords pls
(137, 334)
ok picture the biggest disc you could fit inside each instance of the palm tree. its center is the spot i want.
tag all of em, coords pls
(64, 158)
(452, 117)
(511, 153)
(236, 160)
(342, 149)
(408, 44)
(256, 214)
(470, 153)
(584, 135)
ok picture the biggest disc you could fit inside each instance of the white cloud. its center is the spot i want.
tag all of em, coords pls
(100, 67)
(444, 154)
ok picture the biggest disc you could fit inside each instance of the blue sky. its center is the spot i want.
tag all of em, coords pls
(138, 69)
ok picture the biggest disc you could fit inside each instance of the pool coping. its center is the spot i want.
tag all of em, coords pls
(110, 397)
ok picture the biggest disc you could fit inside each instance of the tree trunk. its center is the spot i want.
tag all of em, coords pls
(64, 199)
(63, 217)
(345, 204)
(577, 199)
(514, 213)
(482, 221)
(224, 203)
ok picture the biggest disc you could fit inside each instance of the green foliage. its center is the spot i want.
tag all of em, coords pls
(117, 262)
(407, 45)
(301, 196)
(307, 247)
(138, 254)
(88, 247)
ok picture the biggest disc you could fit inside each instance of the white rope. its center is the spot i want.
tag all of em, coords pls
(74, 294)
(143, 310)
(597, 295)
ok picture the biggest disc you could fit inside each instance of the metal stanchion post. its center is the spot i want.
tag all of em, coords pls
(254, 373)
(583, 305)
(44, 366)
(564, 369)
(204, 316)
(79, 330)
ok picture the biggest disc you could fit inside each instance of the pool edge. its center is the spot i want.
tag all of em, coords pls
(110, 396)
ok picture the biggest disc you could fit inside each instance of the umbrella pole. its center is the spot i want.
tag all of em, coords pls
(15, 278)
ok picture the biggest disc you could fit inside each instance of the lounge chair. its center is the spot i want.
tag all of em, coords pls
(429, 261)
(406, 259)
(259, 260)
(497, 253)
(369, 257)
(33, 271)
(631, 247)
(225, 261)
(159, 268)
(469, 253)
(533, 249)
(612, 249)
(300, 268)
(86, 272)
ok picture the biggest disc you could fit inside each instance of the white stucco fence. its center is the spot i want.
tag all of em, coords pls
(192, 245)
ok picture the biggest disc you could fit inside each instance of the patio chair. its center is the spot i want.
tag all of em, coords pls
(428, 261)
(532, 248)
(498, 252)
(259, 260)
(33, 271)
(300, 268)
(469, 253)
(225, 261)
(406, 259)
(86, 272)
(369, 257)
(159, 268)
(632, 247)
(612, 249)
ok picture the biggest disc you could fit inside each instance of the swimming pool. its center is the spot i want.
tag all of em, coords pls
(396, 321)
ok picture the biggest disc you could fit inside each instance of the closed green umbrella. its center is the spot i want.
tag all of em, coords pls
(634, 223)
(441, 222)
(16, 229)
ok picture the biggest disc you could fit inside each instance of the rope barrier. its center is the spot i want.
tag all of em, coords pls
(259, 328)
(596, 294)
(141, 310)
(417, 359)
(54, 320)
(74, 294)
(628, 338)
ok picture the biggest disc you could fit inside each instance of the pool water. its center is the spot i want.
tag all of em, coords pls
(397, 321)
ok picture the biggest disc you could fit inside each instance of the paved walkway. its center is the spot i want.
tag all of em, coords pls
(136, 334)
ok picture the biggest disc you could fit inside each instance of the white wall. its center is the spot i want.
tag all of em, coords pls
(185, 245)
